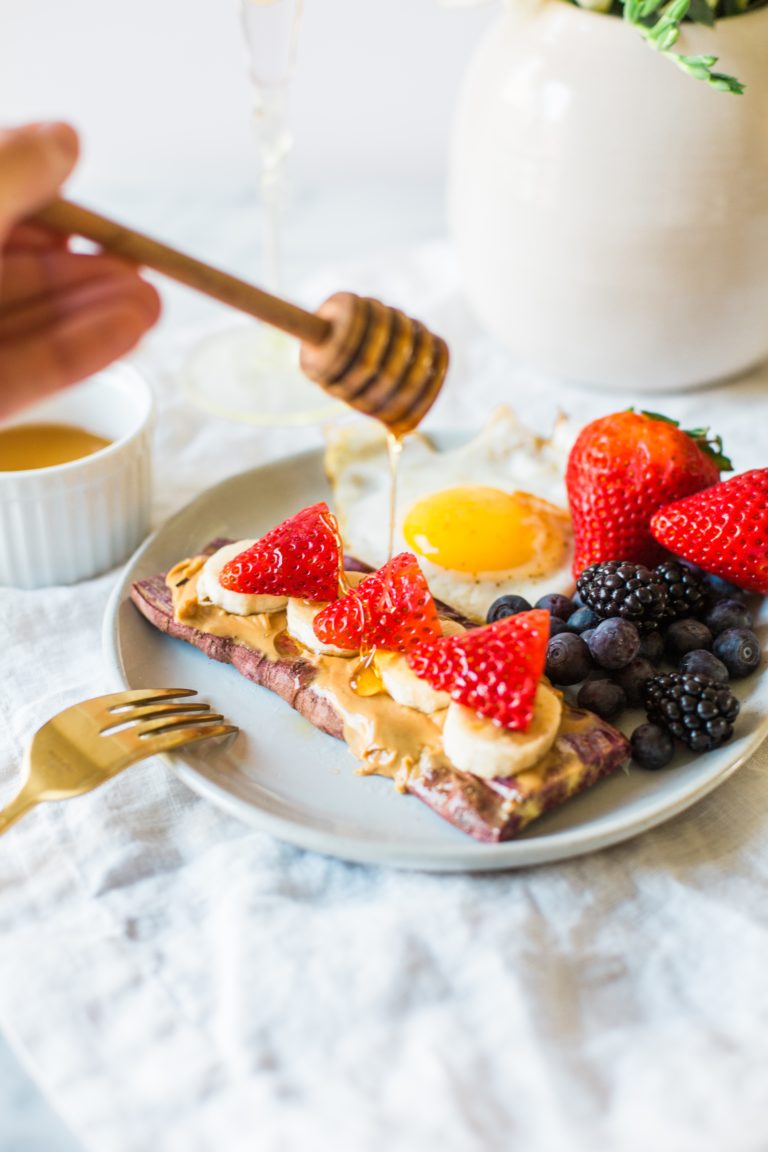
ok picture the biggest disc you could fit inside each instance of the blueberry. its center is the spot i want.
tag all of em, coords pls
(686, 636)
(652, 747)
(652, 647)
(556, 605)
(720, 589)
(632, 678)
(727, 614)
(556, 626)
(583, 619)
(568, 659)
(507, 606)
(614, 643)
(739, 650)
(603, 697)
(702, 663)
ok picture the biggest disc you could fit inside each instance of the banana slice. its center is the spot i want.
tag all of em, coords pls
(474, 744)
(405, 687)
(300, 621)
(210, 590)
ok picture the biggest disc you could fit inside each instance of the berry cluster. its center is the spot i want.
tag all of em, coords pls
(607, 645)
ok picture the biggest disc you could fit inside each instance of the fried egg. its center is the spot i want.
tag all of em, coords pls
(485, 519)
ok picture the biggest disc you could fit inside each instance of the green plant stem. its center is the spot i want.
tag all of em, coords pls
(659, 24)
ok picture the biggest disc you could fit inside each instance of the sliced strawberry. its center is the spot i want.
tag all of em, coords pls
(723, 529)
(494, 670)
(392, 608)
(300, 557)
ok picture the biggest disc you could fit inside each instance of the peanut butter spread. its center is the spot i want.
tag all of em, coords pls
(386, 737)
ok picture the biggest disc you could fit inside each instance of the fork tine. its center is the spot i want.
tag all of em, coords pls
(139, 696)
(147, 711)
(168, 723)
(167, 740)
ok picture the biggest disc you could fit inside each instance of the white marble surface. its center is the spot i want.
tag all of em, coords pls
(609, 1002)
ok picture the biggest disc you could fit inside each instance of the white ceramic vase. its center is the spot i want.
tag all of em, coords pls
(610, 213)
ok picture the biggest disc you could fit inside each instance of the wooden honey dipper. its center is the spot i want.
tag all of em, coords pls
(361, 351)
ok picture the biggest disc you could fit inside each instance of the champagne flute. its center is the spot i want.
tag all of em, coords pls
(249, 372)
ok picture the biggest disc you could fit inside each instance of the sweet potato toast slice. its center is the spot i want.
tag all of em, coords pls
(586, 749)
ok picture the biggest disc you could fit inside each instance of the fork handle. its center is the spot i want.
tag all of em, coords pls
(15, 810)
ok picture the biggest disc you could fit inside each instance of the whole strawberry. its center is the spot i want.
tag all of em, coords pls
(623, 468)
(724, 529)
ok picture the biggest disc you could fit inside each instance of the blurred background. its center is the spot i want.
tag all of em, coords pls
(160, 91)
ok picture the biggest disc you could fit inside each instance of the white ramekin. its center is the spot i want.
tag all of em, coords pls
(70, 522)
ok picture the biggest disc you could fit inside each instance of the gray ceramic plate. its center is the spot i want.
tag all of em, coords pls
(300, 785)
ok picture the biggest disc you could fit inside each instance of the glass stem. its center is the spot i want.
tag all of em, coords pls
(274, 145)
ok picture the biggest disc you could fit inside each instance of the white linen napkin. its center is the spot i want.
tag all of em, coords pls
(176, 980)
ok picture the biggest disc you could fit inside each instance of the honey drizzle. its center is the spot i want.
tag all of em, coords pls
(366, 679)
(394, 452)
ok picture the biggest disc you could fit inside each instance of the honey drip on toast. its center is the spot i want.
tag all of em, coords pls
(365, 679)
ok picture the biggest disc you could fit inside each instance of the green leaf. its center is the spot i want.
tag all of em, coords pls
(663, 33)
(711, 446)
(700, 67)
(658, 416)
(649, 7)
(666, 38)
(701, 61)
(701, 13)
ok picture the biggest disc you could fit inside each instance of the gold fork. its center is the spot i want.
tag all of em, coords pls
(78, 749)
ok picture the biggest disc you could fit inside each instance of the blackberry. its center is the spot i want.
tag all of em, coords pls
(631, 591)
(686, 589)
(698, 711)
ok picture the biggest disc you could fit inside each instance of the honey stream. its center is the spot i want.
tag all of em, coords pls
(365, 679)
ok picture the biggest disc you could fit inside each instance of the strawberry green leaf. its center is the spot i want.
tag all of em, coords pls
(711, 446)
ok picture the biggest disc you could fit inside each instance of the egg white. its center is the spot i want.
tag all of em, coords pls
(504, 455)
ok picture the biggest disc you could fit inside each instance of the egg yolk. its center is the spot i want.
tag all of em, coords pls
(474, 529)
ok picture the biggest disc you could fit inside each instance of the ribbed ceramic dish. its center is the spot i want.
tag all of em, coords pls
(286, 778)
(67, 523)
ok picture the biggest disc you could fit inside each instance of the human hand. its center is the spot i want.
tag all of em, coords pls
(63, 315)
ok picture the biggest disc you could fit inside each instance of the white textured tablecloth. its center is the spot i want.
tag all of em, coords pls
(176, 981)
